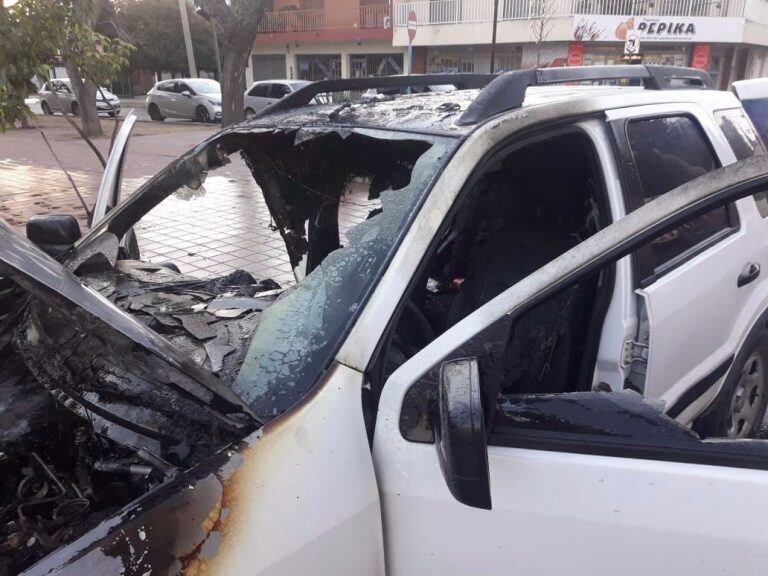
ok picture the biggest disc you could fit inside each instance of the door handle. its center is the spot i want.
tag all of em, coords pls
(750, 272)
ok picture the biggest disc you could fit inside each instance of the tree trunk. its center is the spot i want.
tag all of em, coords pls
(233, 83)
(85, 92)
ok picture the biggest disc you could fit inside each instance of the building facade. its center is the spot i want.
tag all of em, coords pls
(322, 40)
(350, 38)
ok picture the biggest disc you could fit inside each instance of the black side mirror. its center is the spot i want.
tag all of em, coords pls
(53, 233)
(459, 428)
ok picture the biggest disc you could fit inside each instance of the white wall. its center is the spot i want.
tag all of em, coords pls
(473, 33)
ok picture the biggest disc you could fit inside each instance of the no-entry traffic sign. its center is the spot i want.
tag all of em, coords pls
(412, 25)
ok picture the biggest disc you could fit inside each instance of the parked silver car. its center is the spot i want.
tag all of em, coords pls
(195, 98)
(62, 88)
(265, 92)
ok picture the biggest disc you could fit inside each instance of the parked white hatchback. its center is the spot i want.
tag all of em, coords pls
(193, 98)
(57, 94)
(265, 92)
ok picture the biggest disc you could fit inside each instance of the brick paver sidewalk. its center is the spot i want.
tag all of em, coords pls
(224, 228)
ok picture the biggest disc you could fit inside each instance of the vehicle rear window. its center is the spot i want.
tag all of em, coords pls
(739, 133)
(279, 90)
(668, 152)
(757, 110)
(745, 144)
(259, 90)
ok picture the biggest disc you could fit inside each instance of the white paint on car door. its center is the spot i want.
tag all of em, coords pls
(555, 512)
(697, 314)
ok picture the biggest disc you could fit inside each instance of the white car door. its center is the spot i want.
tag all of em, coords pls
(185, 103)
(695, 282)
(594, 483)
(166, 98)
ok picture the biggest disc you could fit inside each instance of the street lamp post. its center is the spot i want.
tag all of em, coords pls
(187, 39)
(493, 38)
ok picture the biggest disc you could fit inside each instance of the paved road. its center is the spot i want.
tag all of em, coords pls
(137, 104)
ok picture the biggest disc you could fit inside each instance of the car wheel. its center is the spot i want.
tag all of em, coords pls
(46, 109)
(154, 113)
(249, 112)
(739, 409)
(111, 114)
(75, 109)
(202, 115)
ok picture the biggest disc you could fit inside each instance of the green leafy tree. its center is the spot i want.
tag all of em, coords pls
(91, 58)
(154, 28)
(237, 22)
(34, 34)
(29, 41)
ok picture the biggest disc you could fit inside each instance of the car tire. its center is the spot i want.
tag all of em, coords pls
(249, 112)
(111, 114)
(739, 409)
(154, 113)
(202, 115)
(75, 109)
(46, 109)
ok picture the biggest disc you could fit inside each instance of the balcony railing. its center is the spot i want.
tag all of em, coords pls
(376, 16)
(467, 11)
(293, 21)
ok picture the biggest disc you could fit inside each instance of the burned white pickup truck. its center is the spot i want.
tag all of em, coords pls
(450, 370)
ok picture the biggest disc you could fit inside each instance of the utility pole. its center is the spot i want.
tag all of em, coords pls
(187, 39)
(216, 49)
(493, 38)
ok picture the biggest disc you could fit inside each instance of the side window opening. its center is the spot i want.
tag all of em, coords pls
(667, 152)
(525, 208)
(529, 371)
(260, 90)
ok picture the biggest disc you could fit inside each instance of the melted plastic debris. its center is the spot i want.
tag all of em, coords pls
(190, 312)
(190, 193)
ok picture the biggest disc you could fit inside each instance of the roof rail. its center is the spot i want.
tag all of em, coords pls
(507, 92)
(303, 96)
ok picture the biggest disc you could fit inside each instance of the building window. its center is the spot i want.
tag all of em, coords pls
(319, 67)
(364, 65)
(507, 62)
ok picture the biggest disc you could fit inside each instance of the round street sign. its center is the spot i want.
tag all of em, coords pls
(632, 44)
(411, 25)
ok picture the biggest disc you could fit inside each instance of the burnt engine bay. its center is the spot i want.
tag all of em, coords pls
(85, 425)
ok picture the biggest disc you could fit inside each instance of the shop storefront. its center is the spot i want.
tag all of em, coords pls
(469, 59)
(662, 54)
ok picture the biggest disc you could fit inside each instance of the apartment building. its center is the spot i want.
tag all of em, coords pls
(317, 39)
(729, 38)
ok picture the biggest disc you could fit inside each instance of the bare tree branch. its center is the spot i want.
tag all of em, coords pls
(88, 213)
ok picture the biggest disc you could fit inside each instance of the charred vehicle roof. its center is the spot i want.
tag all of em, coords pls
(429, 113)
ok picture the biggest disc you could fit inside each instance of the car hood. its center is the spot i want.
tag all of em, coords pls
(107, 94)
(58, 288)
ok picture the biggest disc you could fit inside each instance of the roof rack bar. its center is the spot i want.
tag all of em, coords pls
(507, 92)
(303, 96)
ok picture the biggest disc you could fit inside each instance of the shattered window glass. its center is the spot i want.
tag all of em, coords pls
(296, 337)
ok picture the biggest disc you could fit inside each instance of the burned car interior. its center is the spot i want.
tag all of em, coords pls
(511, 221)
(98, 412)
